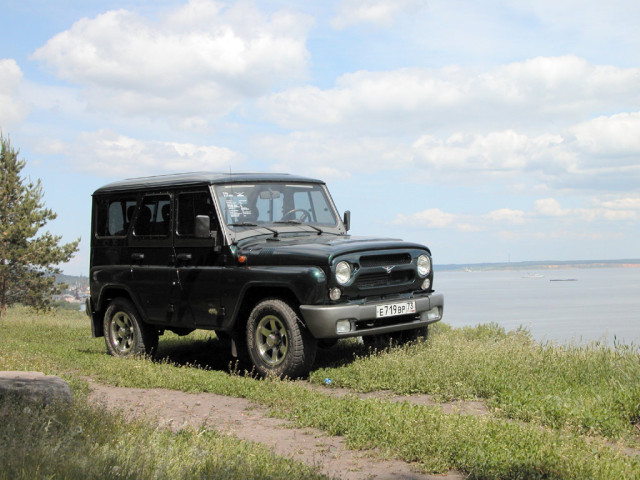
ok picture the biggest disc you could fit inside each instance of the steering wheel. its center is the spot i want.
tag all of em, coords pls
(305, 217)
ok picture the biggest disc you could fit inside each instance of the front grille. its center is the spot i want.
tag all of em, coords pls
(384, 279)
(385, 260)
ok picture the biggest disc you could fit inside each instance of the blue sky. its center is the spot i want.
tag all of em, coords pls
(488, 130)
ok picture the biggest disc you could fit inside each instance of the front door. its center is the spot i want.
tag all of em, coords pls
(197, 261)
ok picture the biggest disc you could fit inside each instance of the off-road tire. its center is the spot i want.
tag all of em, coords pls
(124, 332)
(278, 343)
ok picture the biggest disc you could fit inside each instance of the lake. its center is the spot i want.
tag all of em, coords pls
(563, 305)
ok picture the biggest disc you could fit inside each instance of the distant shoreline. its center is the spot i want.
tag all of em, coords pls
(540, 265)
(83, 280)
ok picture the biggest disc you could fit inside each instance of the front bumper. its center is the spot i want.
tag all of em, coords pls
(322, 320)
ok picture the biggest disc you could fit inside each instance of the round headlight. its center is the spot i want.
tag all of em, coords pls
(424, 265)
(343, 273)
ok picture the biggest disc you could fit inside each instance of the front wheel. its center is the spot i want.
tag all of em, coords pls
(124, 333)
(278, 343)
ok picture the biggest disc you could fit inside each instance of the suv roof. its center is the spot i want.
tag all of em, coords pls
(199, 178)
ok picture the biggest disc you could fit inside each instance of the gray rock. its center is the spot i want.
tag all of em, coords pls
(35, 387)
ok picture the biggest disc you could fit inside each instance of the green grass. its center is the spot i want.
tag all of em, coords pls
(519, 379)
(590, 389)
(78, 442)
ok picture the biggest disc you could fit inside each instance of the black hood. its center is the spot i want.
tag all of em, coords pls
(313, 249)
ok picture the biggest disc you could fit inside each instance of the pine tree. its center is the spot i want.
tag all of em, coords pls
(28, 261)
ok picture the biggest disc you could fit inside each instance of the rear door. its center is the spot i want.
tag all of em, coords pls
(151, 256)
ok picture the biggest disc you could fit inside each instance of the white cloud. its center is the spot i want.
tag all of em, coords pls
(563, 89)
(594, 214)
(573, 158)
(506, 215)
(617, 135)
(549, 207)
(546, 214)
(317, 154)
(377, 12)
(204, 57)
(12, 109)
(469, 228)
(107, 153)
(501, 151)
(431, 218)
(434, 218)
(630, 202)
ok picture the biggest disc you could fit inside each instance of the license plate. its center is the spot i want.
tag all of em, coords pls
(397, 308)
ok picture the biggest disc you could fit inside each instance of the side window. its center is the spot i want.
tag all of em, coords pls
(114, 216)
(154, 217)
(190, 205)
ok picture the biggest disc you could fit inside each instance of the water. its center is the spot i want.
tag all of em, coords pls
(602, 304)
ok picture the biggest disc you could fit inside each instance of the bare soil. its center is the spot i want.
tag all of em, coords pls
(243, 419)
(463, 407)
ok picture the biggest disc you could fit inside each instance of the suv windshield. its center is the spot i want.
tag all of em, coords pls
(259, 204)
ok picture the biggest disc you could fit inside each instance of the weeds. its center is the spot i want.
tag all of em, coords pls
(590, 389)
(564, 398)
(70, 442)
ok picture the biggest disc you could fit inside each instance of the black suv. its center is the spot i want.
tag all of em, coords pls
(261, 258)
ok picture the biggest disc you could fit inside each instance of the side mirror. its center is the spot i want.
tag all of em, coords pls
(203, 226)
(347, 220)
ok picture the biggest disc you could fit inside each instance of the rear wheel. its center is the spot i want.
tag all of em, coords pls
(124, 333)
(278, 343)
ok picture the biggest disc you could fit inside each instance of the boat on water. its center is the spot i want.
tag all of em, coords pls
(563, 279)
(533, 275)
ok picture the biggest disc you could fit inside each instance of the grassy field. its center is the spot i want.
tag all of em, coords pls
(555, 412)
(78, 442)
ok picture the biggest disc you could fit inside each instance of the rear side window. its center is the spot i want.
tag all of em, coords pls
(154, 217)
(114, 216)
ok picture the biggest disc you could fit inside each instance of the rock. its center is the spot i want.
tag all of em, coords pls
(35, 387)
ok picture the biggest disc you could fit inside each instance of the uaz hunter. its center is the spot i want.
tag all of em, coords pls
(263, 259)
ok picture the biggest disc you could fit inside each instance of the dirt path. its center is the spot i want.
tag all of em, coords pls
(464, 407)
(245, 420)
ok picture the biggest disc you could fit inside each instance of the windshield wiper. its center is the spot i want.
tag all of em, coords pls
(249, 224)
(299, 222)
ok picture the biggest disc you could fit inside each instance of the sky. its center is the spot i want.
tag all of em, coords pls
(490, 131)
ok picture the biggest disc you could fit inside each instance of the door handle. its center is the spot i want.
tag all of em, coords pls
(137, 257)
(183, 258)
